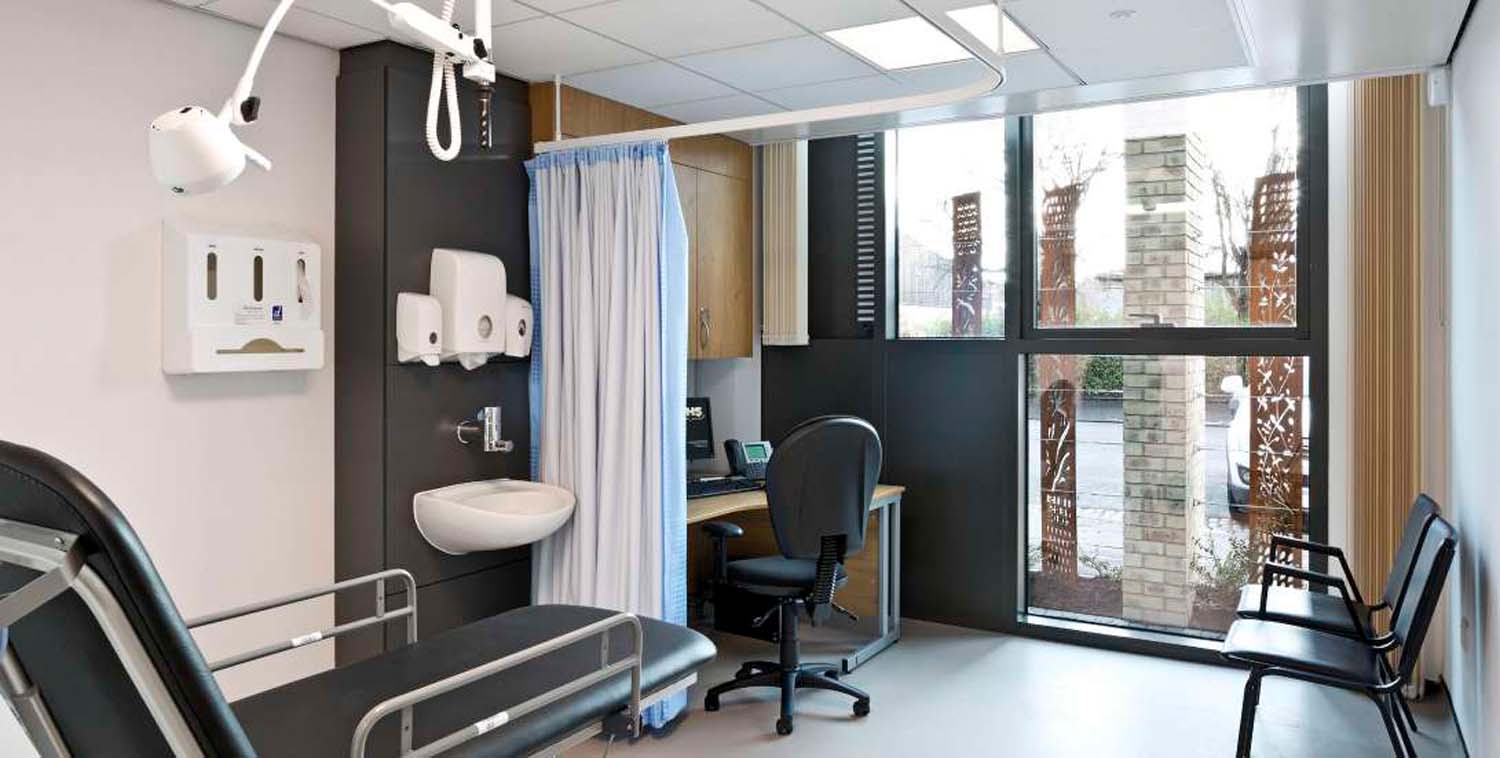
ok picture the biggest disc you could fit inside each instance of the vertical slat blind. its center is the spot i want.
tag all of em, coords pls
(1385, 253)
(866, 243)
(784, 236)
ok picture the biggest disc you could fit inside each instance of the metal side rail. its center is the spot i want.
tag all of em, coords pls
(404, 702)
(381, 616)
(408, 612)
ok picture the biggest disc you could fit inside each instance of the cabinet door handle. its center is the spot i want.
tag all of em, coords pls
(704, 327)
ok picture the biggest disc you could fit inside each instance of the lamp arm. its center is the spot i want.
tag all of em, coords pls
(233, 111)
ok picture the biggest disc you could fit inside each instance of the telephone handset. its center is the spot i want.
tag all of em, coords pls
(748, 459)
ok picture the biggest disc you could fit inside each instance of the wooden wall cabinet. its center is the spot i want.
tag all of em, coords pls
(715, 186)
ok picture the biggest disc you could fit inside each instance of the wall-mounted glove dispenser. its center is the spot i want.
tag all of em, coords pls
(239, 302)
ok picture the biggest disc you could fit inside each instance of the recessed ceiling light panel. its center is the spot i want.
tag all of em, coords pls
(980, 21)
(903, 43)
(911, 42)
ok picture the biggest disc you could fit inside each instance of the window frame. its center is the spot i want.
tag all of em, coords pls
(1021, 338)
(1308, 339)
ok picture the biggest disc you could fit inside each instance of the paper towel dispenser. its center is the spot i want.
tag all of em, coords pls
(239, 301)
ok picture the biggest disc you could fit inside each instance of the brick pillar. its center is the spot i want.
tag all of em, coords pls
(1164, 181)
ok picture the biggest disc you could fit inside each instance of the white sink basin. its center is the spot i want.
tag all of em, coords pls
(490, 515)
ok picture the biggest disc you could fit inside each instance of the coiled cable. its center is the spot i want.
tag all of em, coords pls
(443, 79)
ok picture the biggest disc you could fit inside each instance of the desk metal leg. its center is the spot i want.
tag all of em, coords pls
(890, 588)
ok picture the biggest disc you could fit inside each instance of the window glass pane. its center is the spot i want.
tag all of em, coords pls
(950, 229)
(1175, 211)
(1155, 483)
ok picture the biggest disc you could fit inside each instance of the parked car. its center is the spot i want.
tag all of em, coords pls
(1237, 442)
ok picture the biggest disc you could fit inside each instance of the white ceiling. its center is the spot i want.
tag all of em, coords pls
(695, 60)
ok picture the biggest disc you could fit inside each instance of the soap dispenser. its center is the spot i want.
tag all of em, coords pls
(419, 328)
(470, 287)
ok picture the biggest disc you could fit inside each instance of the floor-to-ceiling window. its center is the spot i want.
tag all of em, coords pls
(1165, 336)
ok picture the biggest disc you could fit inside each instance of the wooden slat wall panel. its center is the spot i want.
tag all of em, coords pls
(1385, 234)
(585, 115)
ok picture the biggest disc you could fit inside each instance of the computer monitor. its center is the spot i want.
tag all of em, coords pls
(700, 430)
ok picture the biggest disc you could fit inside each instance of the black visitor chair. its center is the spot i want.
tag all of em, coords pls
(1273, 648)
(1345, 614)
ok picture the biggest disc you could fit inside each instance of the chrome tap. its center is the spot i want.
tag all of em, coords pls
(486, 425)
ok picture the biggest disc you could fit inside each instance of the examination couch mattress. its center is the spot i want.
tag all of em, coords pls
(316, 716)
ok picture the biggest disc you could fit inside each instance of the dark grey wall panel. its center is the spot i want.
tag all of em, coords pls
(946, 440)
(476, 202)
(832, 254)
(846, 382)
(359, 279)
(471, 597)
(424, 452)
(395, 433)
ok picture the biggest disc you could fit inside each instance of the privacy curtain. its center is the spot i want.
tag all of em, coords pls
(609, 380)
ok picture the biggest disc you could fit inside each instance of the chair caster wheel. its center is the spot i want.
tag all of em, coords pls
(711, 704)
(783, 726)
(861, 708)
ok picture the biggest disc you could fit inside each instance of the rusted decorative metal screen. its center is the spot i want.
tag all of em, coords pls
(968, 277)
(1058, 377)
(1276, 383)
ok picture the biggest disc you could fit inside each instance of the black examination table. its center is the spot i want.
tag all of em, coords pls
(100, 663)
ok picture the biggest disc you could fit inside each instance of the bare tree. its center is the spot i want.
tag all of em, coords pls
(1233, 211)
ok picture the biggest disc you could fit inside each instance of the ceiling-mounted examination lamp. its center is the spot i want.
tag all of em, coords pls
(195, 151)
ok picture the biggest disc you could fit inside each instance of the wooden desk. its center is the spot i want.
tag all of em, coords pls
(874, 573)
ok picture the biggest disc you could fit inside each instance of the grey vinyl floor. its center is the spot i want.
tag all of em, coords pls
(947, 691)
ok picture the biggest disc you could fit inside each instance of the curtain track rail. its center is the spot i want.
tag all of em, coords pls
(992, 81)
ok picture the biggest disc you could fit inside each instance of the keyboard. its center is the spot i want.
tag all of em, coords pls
(721, 486)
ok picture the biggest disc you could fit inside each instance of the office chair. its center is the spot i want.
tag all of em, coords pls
(818, 484)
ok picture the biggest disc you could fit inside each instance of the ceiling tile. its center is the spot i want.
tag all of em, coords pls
(1024, 72)
(822, 15)
(840, 92)
(537, 48)
(783, 63)
(361, 13)
(1078, 23)
(558, 6)
(302, 24)
(647, 84)
(733, 106)
(501, 11)
(671, 28)
(1201, 50)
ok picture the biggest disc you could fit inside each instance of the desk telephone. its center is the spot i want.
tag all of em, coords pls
(748, 459)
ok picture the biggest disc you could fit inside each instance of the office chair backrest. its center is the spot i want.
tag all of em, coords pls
(62, 645)
(1428, 573)
(1422, 510)
(819, 484)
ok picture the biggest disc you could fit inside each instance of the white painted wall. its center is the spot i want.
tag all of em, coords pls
(227, 479)
(1473, 645)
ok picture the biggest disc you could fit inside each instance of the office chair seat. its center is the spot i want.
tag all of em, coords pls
(775, 576)
(1269, 643)
(1292, 605)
